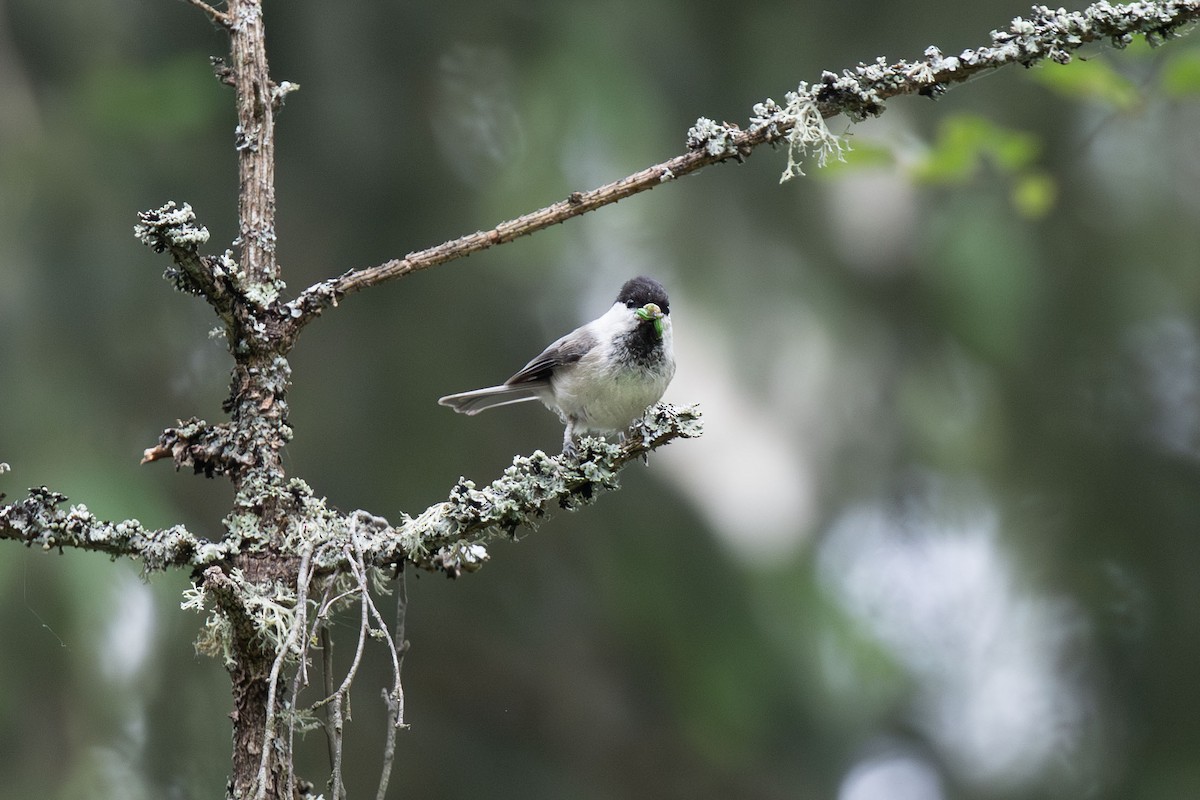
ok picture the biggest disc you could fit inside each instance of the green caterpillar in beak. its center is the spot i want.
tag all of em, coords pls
(651, 312)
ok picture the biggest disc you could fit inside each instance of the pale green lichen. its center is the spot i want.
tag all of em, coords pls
(802, 125)
(313, 523)
(170, 226)
(684, 422)
(461, 556)
(263, 294)
(216, 634)
(280, 91)
(714, 138)
(306, 518)
(37, 521)
(270, 609)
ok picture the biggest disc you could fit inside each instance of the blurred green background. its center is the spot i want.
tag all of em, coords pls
(940, 539)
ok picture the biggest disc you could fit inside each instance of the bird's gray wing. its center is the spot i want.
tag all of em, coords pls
(566, 350)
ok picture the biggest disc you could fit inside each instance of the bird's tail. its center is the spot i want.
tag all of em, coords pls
(473, 402)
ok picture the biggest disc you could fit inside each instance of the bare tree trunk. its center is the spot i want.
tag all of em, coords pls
(251, 690)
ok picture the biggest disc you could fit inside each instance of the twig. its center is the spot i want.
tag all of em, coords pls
(339, 700)
(219, 17)
(285, 648)
(395, 700)
(327, 682)
(300, 679)
(340, 696)
(320, 296)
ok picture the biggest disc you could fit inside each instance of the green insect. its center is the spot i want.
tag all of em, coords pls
(649, 312)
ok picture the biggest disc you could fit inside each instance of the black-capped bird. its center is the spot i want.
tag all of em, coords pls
(600, 377)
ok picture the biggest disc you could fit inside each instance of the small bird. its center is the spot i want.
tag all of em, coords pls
(601, 376)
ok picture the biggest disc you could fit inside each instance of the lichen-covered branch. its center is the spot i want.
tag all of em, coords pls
(249, 628)
(270, 514)
(857, 93)
(209, 450)
(799, 122)
(173, 229)
(340, 559)
(39, 521)
(449, 537)
(227, 448)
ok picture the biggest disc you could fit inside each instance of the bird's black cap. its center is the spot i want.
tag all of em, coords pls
(642, 290)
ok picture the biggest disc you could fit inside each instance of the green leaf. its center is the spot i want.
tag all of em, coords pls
(1091, 80)
(965, 141)
(1181, 74)
(1033, 194)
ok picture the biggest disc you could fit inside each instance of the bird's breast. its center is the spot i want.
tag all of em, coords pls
(604, 395)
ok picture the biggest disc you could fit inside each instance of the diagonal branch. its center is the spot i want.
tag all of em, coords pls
(315, 299)
(858, 93)
(218, 17)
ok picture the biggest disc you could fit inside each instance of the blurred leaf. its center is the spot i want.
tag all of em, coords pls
(1092, 80)
(1181, 75)
(1033, 194)
(965, 141)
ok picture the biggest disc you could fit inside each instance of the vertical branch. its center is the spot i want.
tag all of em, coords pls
(255, 141)
(254, 703)
(258, 392)
(327, 682)
(339, 708)
(257, 431)
(395, 700)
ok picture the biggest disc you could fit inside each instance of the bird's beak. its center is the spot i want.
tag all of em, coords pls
(652, 313)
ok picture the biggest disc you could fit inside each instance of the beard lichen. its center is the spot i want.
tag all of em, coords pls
(268, 608)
